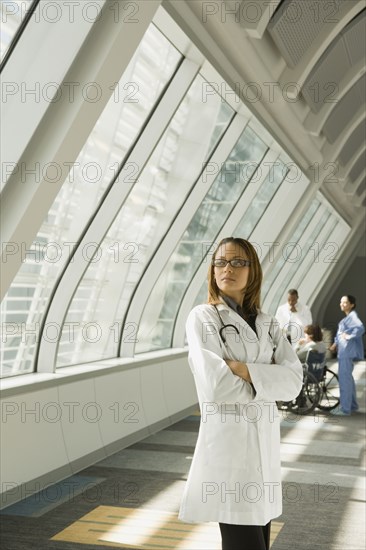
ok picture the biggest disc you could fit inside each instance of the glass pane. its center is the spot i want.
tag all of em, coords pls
(12, 14)
(263, 197)
(156, 327)
(111, 139)
(271, 277)
(313, 250)
(202, 295)
(104, 293)
(295, 264)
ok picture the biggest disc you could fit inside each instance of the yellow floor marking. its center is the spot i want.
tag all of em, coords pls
(142, 529)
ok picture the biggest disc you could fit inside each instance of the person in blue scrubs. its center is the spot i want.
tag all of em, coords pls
(349, 345)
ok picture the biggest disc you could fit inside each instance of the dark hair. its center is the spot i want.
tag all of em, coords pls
(351, 299)
(293, 292)
(315, 332)
(251, 300)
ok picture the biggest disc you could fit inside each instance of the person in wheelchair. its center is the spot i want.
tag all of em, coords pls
(320, 385)
(313, 341)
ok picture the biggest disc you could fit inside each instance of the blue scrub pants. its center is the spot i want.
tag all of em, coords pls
(347, 385)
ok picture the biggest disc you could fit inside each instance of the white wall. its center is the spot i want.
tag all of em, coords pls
(52, 429)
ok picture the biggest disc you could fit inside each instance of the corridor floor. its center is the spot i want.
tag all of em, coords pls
(130, 499)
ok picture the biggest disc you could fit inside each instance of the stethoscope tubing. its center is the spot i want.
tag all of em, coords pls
(224, 327)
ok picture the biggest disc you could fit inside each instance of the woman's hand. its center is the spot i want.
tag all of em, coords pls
(240, 369)
(333, 347)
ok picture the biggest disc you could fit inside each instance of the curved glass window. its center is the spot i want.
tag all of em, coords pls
(295, 263)
(254, 212)
(157, 323)
(103, 295)
(260, 202)
(134, 97)
(12, 14)
(313, 249)
(271, 277)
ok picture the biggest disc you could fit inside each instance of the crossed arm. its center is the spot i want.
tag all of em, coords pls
(240, 369)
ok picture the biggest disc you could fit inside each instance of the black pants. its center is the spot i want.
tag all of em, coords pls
(245, 537)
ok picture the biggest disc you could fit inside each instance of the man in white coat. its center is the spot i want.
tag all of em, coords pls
(293, 317)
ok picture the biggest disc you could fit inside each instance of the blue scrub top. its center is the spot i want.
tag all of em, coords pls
(352, 347)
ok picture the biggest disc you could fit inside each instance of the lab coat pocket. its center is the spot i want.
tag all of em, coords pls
(274, 444)
(268, 426)
(226, 439)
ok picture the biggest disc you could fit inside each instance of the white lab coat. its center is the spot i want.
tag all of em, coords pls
(294, 321)
(235, 472)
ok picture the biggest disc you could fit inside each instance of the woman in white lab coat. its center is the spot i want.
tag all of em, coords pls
(241, 364)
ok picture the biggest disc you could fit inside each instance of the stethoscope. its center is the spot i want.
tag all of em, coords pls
(224, 327)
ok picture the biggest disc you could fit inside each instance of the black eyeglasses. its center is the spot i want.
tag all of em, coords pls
(236, 262)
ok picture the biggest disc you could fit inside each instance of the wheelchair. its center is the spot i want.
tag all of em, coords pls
(320, 387)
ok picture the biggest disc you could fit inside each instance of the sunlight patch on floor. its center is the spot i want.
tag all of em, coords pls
(142, 529)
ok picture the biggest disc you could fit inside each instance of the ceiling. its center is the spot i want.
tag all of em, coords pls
(300, 67)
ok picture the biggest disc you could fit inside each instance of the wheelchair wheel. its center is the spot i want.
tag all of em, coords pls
(329, 395)
(308, 397)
